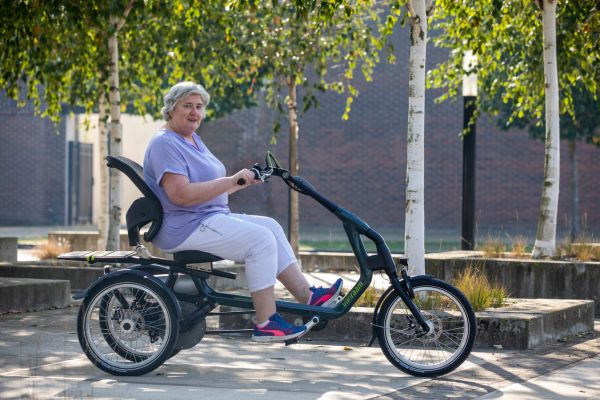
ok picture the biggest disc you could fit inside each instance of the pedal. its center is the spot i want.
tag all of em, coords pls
(337, 300)
(309, 325)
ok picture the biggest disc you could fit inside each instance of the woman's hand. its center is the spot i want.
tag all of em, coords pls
(246, 176)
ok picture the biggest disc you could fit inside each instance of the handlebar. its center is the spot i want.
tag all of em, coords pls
(301, 185)
(259, 174)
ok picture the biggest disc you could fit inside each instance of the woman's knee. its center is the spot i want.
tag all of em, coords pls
(262, 242)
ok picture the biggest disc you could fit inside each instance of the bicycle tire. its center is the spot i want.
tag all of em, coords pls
(445, 347)
(141, 339)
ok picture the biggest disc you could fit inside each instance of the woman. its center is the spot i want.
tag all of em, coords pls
(193, 188)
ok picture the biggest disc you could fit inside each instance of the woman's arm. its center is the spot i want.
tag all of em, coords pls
(184, 193)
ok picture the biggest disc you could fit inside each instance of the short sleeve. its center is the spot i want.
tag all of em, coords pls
(162, 157)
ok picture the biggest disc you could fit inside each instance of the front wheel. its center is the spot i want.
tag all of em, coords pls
(452, 329)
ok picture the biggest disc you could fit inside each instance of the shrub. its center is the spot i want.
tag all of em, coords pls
(51, 250)
(369, 298)
(519, 246)
(583, 249)
(493, 247)
(479, 291)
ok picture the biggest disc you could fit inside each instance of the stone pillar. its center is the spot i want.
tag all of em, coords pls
(8, 249)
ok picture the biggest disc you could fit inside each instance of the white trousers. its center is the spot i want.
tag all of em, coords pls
(257, 241)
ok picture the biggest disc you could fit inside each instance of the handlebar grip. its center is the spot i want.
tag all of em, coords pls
(241, 181)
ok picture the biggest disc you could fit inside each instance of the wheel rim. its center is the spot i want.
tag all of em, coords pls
(127, 325)
(443, 344)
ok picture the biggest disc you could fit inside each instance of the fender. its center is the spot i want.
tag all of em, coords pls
(123, 273)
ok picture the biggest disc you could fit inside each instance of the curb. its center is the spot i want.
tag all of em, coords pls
(527, 324)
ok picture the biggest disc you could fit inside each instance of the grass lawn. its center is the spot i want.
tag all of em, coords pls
(320, 240)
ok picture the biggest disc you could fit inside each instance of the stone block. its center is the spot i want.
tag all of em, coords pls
(22, 294)
(79, 277)
(525, 324)
(8, 249)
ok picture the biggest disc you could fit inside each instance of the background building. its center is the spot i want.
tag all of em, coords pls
(359, 163)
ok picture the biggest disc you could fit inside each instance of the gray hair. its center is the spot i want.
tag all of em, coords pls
(179, 92)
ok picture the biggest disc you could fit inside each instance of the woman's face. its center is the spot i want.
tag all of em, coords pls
(187, 115)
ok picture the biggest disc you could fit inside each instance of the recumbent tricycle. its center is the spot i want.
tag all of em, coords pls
(133, 319)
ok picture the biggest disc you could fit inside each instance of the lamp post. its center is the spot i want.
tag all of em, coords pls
(468, 190)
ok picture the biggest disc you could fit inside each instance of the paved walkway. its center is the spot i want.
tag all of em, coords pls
(40, 358)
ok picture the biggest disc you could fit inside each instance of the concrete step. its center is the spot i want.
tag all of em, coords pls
(79, 277)
(23, 294)
(524, 324)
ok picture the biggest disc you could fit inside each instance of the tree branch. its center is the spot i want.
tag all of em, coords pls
(411, 10)
(121, 22)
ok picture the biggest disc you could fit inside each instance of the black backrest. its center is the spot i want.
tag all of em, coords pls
(144, 210)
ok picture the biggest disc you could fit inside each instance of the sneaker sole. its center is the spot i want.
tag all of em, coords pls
(334, 298)
(267, 339)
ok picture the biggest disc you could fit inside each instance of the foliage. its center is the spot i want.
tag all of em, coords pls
(582, 124)
(62, 57)
(317, 54)
(369, 298)
(519, 246)
(479, 291)
(51, 250)
(492, 247)
(506, 37)
(582, 249)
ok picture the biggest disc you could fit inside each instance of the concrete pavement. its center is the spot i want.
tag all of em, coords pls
(40, 358)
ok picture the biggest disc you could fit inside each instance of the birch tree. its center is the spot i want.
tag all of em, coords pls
(545, 241)
(117, 21)
(55, 53)
(414, 225)
(287, 42)
(515, 42)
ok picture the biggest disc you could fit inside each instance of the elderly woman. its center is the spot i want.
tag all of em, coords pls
(193, 188)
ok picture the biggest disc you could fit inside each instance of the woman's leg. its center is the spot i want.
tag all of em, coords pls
(264, 304)
(295, 282)
(288, 270)
(235, 239)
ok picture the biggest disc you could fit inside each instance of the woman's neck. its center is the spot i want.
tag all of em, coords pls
(187, 136)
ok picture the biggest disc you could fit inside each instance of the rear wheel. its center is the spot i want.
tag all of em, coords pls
(447, 344)
(128, 325)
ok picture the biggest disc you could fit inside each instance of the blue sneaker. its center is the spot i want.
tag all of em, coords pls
(277, 329)
(325, 297)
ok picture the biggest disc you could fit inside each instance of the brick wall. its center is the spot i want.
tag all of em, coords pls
(358, 163)
(361, 163)
(32, 167)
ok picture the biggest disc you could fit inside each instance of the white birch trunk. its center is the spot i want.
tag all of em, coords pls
(114, 226)
(545, 242)
(114, 214)
(294, 211)
(103, 178)
(414, 225)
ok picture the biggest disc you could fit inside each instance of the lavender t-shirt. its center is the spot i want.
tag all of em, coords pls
(169, 152)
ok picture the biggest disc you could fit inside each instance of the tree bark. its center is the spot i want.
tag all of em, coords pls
(294, 211)
(545, 242)
(575, 226)
(414, 227)
(116, 24)
(104, 187)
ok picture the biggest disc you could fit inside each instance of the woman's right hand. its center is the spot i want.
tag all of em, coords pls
(246, 176)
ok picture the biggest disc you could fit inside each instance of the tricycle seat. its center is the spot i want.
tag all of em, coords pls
(193, 257)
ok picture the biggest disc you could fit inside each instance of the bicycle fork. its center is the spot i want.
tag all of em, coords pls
(406, 293)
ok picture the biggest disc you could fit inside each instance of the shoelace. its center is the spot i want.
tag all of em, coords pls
(277, 318)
